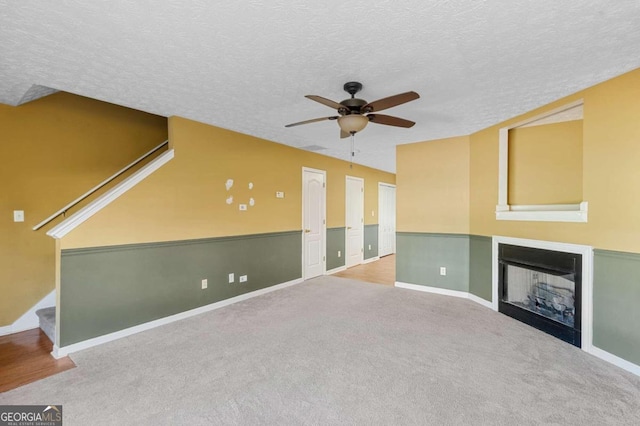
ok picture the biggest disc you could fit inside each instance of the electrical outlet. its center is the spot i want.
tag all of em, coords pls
(243, 278)
(205, 283)
(232, 278)
(18, 215)
(443, 270)
(339, 253)
(279, 194)
(243, 207)
(369, 246)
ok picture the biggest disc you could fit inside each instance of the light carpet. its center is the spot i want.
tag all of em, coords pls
(337, 351)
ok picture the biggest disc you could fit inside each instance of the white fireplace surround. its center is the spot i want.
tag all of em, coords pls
(587, 278)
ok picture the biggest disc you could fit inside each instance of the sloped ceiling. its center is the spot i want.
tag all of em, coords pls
(245, 65)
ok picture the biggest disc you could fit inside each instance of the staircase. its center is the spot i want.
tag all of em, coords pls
(121, 181)
(47, 318)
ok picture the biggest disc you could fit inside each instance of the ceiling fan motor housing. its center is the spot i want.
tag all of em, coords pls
(353, 105)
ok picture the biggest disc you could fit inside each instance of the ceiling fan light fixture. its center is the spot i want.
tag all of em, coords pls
(352, 123)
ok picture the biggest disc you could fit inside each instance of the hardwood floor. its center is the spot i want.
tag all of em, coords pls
(381, 271)
(25, 357)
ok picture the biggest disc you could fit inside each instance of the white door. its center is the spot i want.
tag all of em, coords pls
(386, 219)
(313, 222)
(354, 221)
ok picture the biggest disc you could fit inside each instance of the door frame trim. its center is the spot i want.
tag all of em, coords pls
(324, 226)
(346, 230)
(389, 185)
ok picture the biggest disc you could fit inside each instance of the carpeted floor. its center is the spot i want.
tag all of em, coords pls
(335, 351)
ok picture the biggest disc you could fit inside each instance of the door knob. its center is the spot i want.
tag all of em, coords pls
(306, 231)
(348, 227)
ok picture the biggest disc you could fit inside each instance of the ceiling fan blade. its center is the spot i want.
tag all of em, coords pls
(325, 101)
(390, 120)
(344, 134)
(313, 120)
(391, 101)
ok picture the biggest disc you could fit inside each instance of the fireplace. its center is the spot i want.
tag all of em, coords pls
(542, 288)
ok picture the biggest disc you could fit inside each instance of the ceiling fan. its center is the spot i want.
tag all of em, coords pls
(355, 114)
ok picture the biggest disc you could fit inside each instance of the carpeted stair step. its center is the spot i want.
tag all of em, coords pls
(48, 322)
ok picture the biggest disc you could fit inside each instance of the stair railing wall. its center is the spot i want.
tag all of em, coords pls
(87, 194)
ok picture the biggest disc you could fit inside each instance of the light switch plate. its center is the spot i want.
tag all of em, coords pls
(279, 194)
(232, 278)
(18, 215)
(205, 283)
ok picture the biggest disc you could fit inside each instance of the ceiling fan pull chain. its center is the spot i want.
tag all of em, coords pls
(353, 137)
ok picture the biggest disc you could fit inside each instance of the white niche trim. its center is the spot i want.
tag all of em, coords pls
(539, 212)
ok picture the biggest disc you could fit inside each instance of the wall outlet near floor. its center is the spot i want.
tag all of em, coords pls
(243, 278)
(279, 194)
(369, 246)
(205, 283)
(232, 278)
(243, 207)
(339, 253)
(443, 270)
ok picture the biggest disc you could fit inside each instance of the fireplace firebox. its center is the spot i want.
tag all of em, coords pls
(541, 288)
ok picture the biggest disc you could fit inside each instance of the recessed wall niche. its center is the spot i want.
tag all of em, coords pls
(540, 176)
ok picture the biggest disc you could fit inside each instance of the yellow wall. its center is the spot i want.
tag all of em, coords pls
(611, 175)
(53, 150)
(433, 186)
(545, 164)
(186, 198)
(611, 172)
(431, 176)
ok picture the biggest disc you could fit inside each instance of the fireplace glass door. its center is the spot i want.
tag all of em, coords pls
(549, 295)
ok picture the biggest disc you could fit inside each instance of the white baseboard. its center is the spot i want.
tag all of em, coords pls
(615, 360)
(481, 301)
(436, 290)
(336, 270)
(66, 350)
(446, 292)
(371, 259)
(29, 320)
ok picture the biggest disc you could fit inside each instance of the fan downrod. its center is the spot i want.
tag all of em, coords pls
(352, 87)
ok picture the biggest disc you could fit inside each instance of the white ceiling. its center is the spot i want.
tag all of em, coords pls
(245, 65)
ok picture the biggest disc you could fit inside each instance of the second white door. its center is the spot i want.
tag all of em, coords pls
(354, 221)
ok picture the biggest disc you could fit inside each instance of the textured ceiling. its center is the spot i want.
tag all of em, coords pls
(246, 65)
